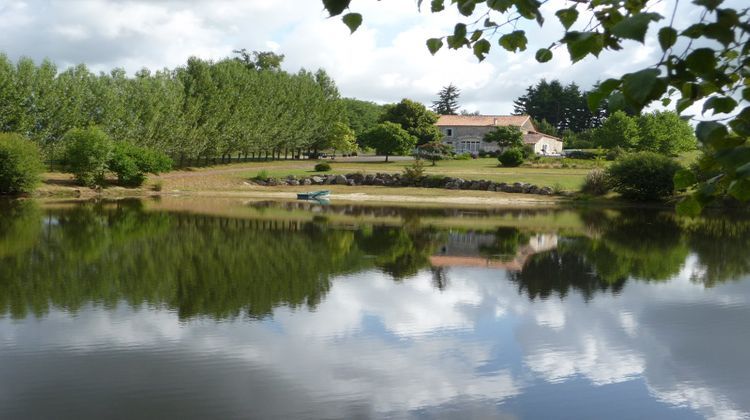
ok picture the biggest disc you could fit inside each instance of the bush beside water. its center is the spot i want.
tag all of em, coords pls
(89, 154)
(643, 176)
(20, 164)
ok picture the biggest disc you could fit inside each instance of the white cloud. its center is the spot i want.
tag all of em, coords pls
(384, 61)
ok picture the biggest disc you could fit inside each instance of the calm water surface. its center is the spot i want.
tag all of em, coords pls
(288, 310)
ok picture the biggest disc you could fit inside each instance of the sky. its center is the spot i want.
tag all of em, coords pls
(384, 61)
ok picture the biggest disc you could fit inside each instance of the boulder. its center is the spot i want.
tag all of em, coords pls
(329, 180)
(306, 181)
(378, 181)
(340, 180)
(292, 182)
(351, 182)
(317, 180)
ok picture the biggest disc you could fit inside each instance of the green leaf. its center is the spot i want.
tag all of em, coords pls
(604, 89)
(434, 45)
(684, 179)
(683, 104)
(616, 102)
(708, 4)
(581, 44)
(437, 6)
(701, 61)
(689, 206)
(743, 170)
(694, 31)
(353, 21)
(481, 48)
(466, 7)
(336, 7)
(459, 31)
(635, 26)
(667, 37)
(567, 17)
(710, 131)
(740, 189)
(720, 104)
(720, 32)
(543, 55)
(513, 41)
(642, 86)
(499, 5)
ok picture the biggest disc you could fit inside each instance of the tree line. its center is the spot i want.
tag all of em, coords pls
(244, 106)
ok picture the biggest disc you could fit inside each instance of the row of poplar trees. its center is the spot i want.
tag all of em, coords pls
(203, 111)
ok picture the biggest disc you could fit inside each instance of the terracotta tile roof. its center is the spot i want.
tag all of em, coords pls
(481, 120)
(533, 137)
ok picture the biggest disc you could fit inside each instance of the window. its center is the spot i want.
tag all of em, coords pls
(449, 132)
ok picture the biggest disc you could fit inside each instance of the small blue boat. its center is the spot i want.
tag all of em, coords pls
(313, 195)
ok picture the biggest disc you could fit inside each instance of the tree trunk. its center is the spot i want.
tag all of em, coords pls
(386, 158)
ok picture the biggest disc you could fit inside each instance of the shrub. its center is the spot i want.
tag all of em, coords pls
(131, 163)
(434, 151)
(20, 164)
(512, 157)
(596, 182)
(323, 167)
(643, 176)
(86, 154)
(158, 186)
(615, 153)
(262, 175)
(580, 154)
(414, 171)
(463, 156)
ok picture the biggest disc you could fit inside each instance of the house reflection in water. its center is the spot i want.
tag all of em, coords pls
(507, 249)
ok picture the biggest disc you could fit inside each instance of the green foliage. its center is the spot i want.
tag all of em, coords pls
(341, 138)
(263, 175)
(511, 157)
(701, 61)
(361, 115)
(665, 133)
(322, 167)
(388, 139)
(260, 60)
(505, 137)
(414, 171)
(619, 130)
(447, 102)
(643, 176)
(20, 164)
(556, 108)
(200, 111)
(463, 156)
(415, 118)
(131, 163)
(543, 126)
(596, 182)
(434, 151)
(86, 155)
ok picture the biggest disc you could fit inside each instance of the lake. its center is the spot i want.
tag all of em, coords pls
(198, 308)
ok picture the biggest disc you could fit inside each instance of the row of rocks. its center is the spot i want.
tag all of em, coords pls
(398, 180)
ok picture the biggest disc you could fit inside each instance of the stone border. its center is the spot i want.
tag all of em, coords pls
(398, 180)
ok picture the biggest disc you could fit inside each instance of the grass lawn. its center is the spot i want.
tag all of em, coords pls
(567, 178)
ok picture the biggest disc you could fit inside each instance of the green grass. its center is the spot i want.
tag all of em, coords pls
(486, 168)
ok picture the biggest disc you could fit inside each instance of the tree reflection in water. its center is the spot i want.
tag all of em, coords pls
(109, 253)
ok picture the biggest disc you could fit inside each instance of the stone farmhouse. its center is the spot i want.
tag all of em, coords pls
(466, 133)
